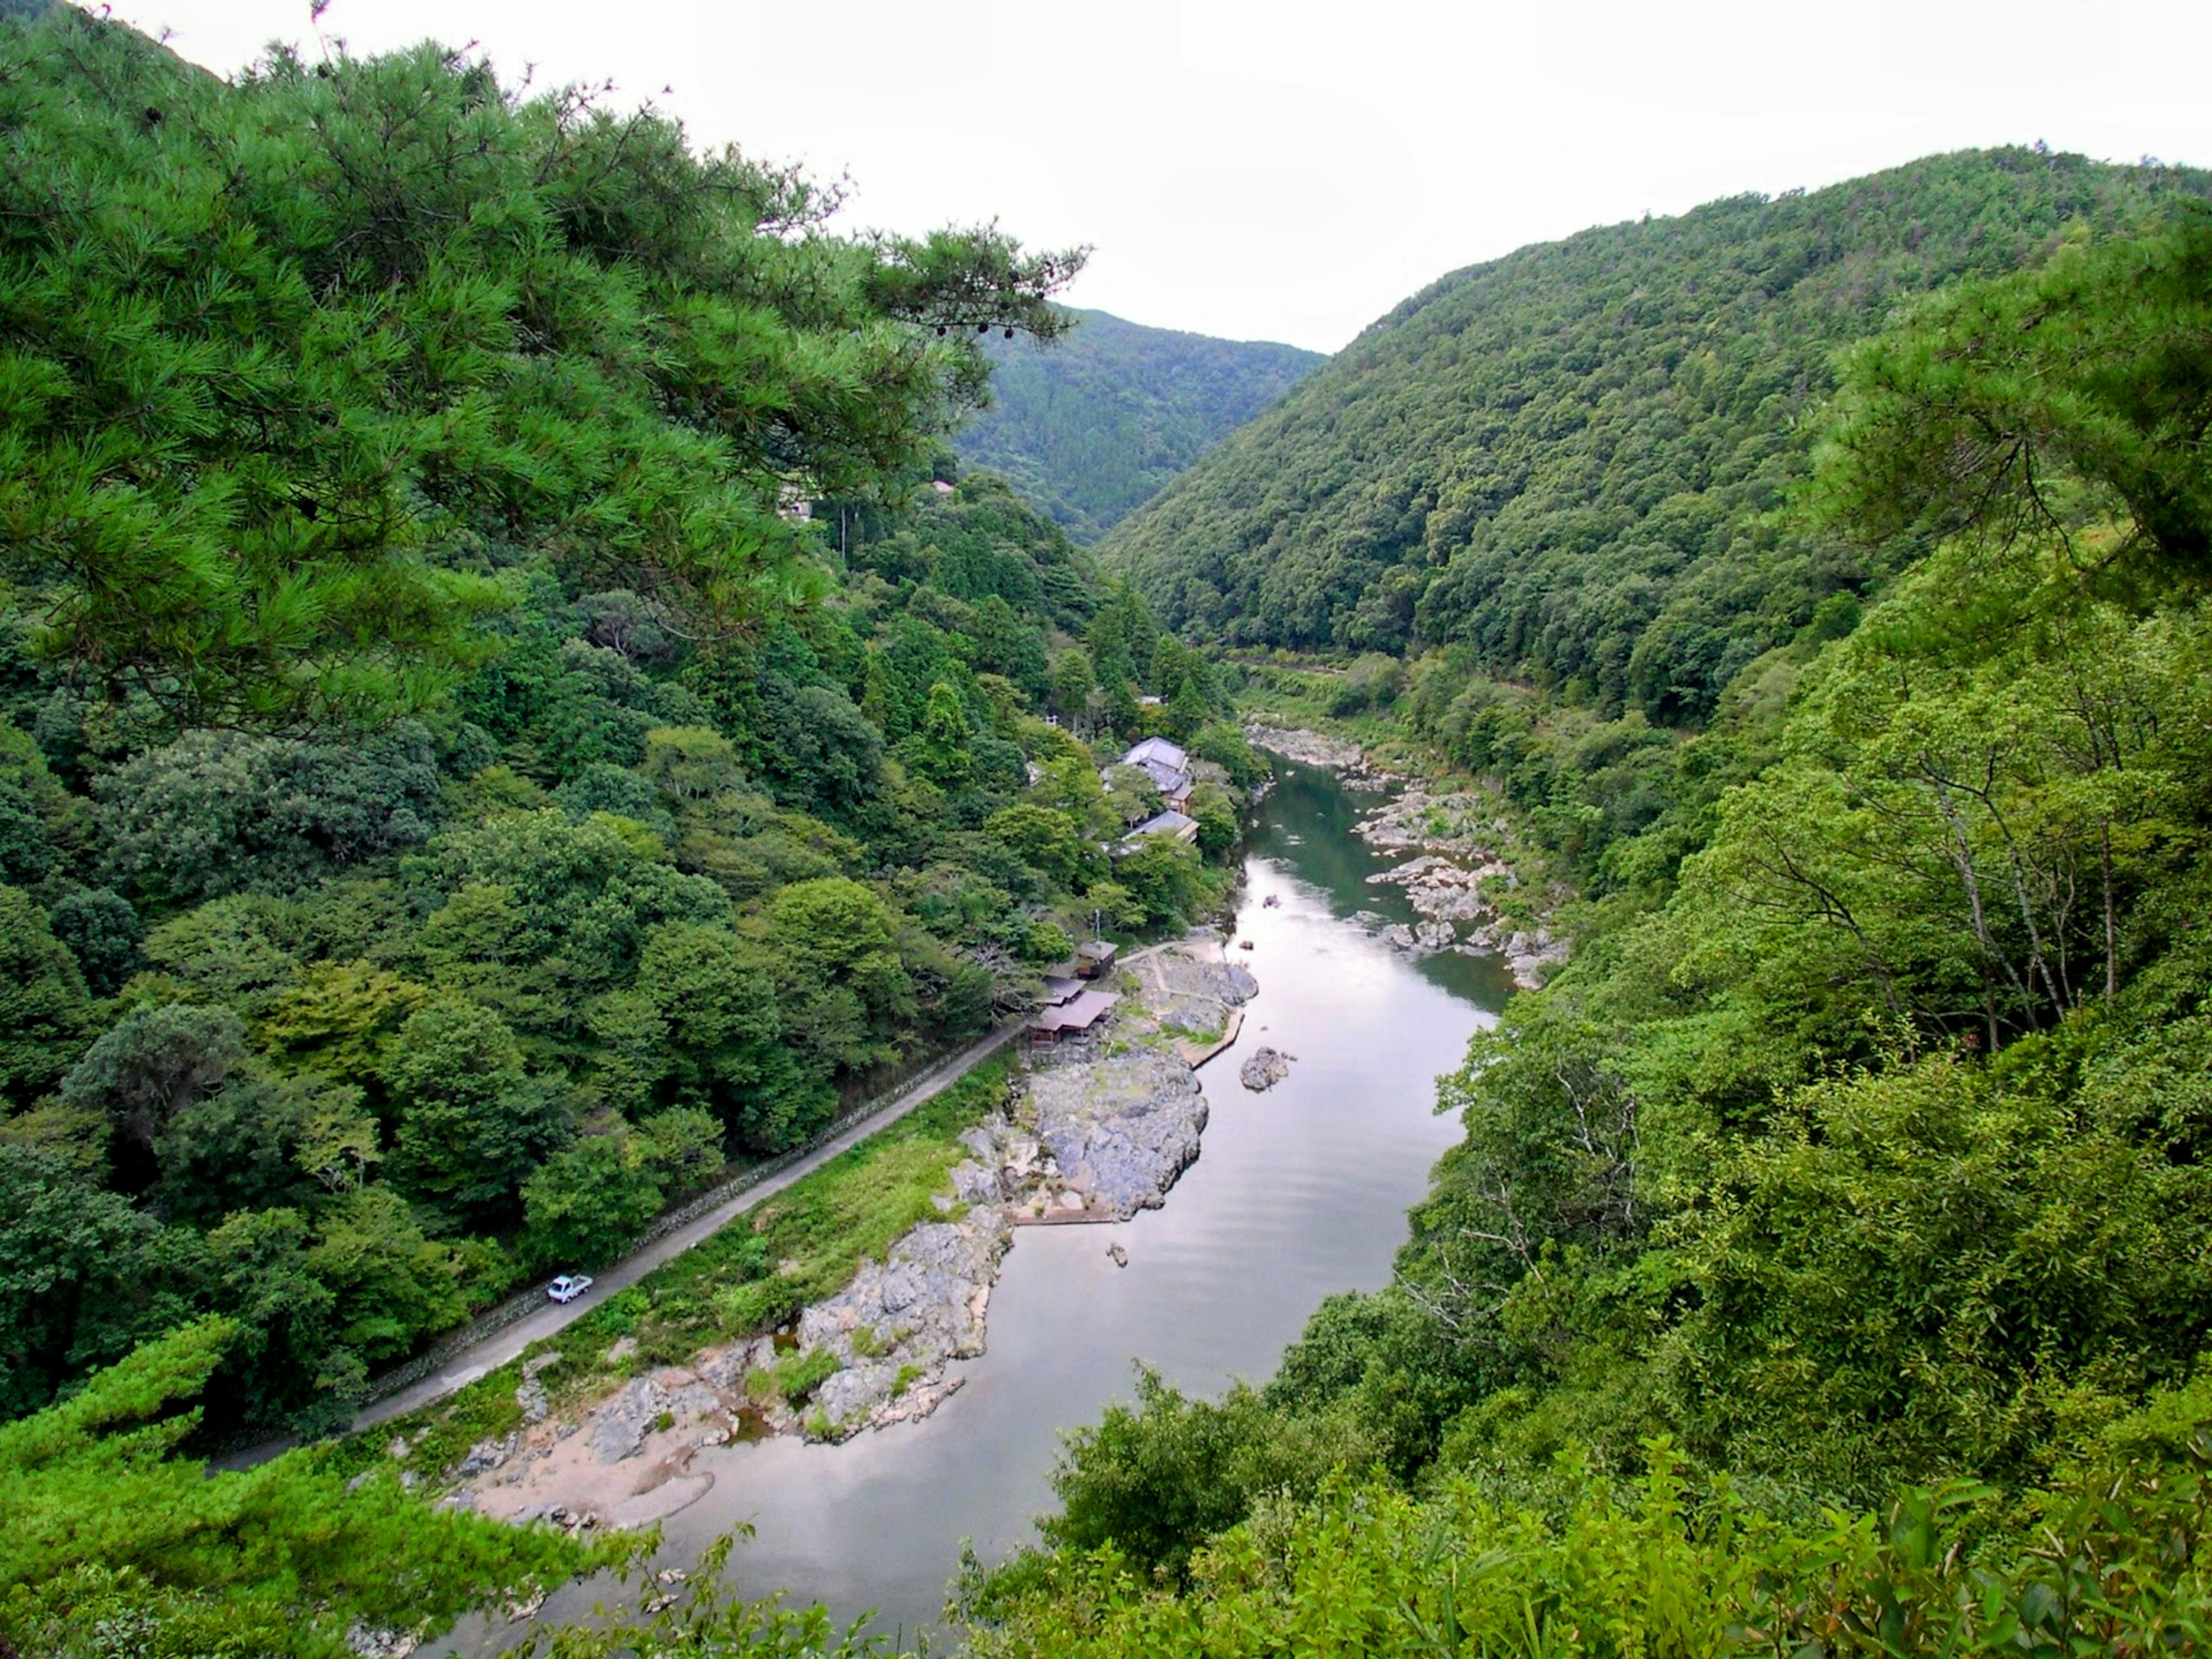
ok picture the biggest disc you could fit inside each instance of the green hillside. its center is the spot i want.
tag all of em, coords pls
(1565, 459)
(1094, 426)
(449, 800)
(1827, 1265)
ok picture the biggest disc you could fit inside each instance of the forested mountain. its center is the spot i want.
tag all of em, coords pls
(1567, 460)
(1826, 1266)
(1096, 425)
(450, 799)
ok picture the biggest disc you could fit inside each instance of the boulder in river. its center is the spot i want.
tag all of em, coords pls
(1264, 1068)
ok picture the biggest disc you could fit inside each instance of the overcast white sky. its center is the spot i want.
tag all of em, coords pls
(1290, 171)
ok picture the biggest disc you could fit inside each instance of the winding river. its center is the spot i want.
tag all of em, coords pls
(1300, 1192)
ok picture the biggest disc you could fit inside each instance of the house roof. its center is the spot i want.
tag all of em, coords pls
(1099, 950)
(1157, 749)
(1080, 1013)
(1167, 823)
(1168, 779)
(1059, 989)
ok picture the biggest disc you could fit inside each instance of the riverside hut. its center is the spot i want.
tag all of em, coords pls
(1076, 1016)
(1167, 766)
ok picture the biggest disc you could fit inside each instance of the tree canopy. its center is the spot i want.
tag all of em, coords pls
(1094, 426)
(291, 366)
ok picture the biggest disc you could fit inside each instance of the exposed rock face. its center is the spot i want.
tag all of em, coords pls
(1121, 1129)
(1532, 956)
(530, 1395)
(645, 1405)
(895, 1327)
(1192, 990)
(1264, 1069)
(1462, 824)
(1307, 748)
(372, 1641)
(488, 1455)
(1444, 884)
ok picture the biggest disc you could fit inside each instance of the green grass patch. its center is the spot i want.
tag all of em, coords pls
(798, 1376)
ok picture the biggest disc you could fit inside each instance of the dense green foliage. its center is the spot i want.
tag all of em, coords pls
(2110, 1563)
(1857, 1164)
(1093, 427)
(115, 1544)
(340, 996)
(452, 801)
(292, 369)
(1566, 461)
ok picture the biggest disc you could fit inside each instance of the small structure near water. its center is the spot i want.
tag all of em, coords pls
(1095, 957)
(1075, 1016)
(1168, 767)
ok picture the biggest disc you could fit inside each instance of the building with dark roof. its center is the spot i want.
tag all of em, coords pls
(1180, 825)
(1076, 1017)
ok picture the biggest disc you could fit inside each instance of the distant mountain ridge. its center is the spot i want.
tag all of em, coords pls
(1092, 428)
(1565, 460)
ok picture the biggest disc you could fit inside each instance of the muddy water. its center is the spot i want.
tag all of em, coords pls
(1299, 1193)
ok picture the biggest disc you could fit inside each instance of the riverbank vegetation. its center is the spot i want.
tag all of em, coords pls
(118, 1542)
(1825, 1258)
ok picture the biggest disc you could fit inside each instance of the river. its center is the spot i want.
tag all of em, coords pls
(1299, 1193)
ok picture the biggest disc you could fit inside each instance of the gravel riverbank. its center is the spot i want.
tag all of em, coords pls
(1452, 836)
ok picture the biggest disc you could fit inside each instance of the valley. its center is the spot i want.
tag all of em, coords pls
(1541, 987)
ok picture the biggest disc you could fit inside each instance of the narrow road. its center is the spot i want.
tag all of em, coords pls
(502, 1345)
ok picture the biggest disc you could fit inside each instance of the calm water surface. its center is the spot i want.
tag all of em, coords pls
(1299, 1193)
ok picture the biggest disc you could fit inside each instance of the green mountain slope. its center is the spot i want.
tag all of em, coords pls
(1563, 458)
(445, 807)
(1093, 427)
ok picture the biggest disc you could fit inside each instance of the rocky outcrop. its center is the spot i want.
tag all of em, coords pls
(644, 1406)
(1445, 882)
(1531, 957)
(1307, 748)
(1121, 1129)
(895, 1327)
(1462, 824)
(1184, 988)
(529, 1394)
(1264, 1069)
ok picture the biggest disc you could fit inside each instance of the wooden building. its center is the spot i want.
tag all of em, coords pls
(1077, 1015)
